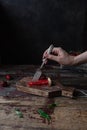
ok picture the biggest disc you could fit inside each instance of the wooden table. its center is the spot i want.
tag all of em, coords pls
(68, 114)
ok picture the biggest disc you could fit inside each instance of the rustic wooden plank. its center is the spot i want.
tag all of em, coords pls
(69, 114)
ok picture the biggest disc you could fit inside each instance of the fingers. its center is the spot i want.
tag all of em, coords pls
(44, 54)
(44, 60)
(56, 51)
(57, 54)
(52, 57)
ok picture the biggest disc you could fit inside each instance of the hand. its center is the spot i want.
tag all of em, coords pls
(59, 55)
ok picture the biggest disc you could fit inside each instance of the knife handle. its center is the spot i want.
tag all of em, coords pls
(50, 49)
(48, 52)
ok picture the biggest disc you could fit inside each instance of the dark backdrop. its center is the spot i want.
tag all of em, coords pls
(28, 27)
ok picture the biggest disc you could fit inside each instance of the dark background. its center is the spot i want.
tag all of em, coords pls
(28, 27)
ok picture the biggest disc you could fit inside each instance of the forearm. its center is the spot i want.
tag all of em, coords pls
(80, 59)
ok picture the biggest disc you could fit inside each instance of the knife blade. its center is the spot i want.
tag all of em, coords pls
(38, 71)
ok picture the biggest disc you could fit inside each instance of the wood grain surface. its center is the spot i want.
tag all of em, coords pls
(68, 114)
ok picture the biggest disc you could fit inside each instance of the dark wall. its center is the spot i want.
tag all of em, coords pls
(28, 27)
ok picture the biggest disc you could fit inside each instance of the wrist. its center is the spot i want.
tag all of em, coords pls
(76, 60)
(72, 60)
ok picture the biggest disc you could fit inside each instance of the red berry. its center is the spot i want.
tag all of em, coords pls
(8, 77)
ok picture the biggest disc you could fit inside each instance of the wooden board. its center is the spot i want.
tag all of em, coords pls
(45, 91)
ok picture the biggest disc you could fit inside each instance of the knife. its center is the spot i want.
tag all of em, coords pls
(38, 71)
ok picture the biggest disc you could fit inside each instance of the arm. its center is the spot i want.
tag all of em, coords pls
(80, 59)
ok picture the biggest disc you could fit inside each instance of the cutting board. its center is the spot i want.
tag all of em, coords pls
(46, 91)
